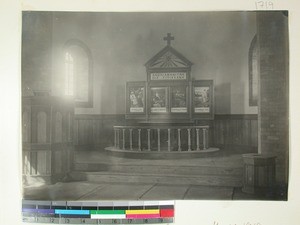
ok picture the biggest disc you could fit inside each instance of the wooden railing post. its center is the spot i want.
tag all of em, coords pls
(158, 139)
(189, 139)
(169, 139)
(204, 138)
(149, 142)
(179, 140)
(118, 138)
(130, 138)
(123, 139)
(140, 149)
(115, 133)
(197, 140)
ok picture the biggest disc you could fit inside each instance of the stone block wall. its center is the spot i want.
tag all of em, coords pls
(272, 31)
(36, 52)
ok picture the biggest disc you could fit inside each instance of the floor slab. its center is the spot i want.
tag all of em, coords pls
(137, 191)
(118, 192)
(209, 193)
(165, 192)
(60, 191)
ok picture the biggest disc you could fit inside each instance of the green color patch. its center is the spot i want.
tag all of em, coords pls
(107, 211)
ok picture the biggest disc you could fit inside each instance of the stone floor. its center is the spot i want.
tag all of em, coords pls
(135, 191)
(125, 191)
(87, 190)
(92, 191)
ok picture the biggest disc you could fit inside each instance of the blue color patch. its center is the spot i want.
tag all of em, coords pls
(72, 212)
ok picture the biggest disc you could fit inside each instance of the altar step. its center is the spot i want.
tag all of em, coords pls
(158, 169)
(100, 167)
(147, 178)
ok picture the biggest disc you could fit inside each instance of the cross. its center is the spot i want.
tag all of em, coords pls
(169, 38)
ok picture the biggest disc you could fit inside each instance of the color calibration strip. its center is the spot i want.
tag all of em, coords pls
(67, 212)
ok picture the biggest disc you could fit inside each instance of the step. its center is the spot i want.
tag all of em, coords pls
(163, 153)
(95, 157)
(158, 169)
(177, 179)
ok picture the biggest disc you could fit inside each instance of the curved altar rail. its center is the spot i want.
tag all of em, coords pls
(147, 138)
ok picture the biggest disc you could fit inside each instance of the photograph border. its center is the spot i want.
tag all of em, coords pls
(213, 212)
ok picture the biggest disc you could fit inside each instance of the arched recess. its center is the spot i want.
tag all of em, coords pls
(253, 72)
(41, 127)
(58, 127)
(69, 127)
(25, 127)
(78, 72)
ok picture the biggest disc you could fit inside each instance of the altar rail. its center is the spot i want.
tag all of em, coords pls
(174, 138)
(95, 132)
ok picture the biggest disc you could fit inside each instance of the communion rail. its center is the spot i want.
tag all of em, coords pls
(174, 138)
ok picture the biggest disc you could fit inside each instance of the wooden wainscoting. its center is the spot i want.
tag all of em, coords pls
(47, 141)
(95, 132)
(236, 131)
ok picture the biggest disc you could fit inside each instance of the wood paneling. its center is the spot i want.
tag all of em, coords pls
(26, 126)
(47, 145)
(93, 132)
(235, 130)
(58, 128)
(41, 127)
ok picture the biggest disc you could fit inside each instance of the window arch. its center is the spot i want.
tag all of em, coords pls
(253, 72)
(78, 73)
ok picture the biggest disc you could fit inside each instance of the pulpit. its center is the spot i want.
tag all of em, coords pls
(47, 138)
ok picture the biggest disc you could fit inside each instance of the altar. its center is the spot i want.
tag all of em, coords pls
(169, 94)
(170, 111)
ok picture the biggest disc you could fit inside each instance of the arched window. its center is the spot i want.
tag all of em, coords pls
(253, 72)
(78, 73)
(69, 74)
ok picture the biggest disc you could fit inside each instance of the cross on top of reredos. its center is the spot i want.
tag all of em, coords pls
(169, 38)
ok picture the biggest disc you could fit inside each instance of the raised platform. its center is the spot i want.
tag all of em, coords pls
(102, 167)
(163, 154)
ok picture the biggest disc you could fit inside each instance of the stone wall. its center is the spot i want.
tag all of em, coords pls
(274, 101)
(36, 52)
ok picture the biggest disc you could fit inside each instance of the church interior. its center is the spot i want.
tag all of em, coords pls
(155, 105)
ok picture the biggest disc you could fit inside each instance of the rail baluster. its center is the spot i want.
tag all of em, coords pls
(140, 149)
(115, 133)
(179, 140)
(169, 139)
(130, 138)
(123, 139)
(158, 139)
(189, 139)
(204, 138)
(149, 142)
(197, 140)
